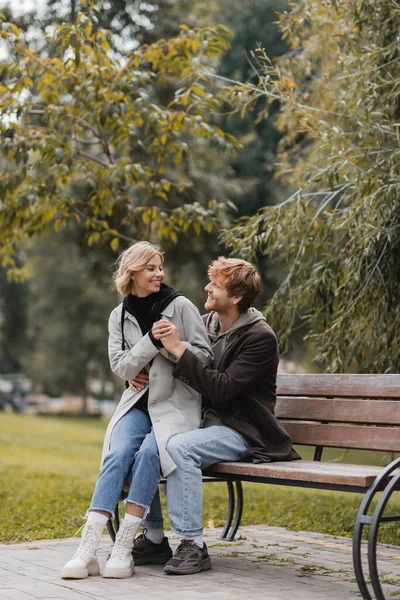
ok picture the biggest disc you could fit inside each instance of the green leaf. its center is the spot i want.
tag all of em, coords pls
(114, 244)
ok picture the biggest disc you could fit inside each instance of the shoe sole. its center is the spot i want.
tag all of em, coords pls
(80, 573)
(152, 560)
(118, 573)
(205, 565)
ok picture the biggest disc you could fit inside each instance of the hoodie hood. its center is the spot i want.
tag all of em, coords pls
(219, 340)
(252, 315)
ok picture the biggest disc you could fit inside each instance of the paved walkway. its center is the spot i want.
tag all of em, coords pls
(267, 562)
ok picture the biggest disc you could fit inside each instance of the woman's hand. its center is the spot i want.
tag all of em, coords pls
(162, 328)
(139, 382)
(169, 335)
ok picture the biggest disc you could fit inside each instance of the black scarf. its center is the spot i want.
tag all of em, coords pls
(147, 310)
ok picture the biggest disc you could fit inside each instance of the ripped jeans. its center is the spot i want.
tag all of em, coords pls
(133, 455)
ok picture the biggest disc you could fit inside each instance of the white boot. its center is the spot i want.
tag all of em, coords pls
(120, 564)
(84, 561)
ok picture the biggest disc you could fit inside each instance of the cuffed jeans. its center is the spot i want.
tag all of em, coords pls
(192, 452)
(133, 455)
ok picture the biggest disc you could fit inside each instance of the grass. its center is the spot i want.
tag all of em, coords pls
(48, 468)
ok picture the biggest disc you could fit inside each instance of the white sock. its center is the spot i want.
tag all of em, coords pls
(155, 535)
(95, 517)
(198, 540)
(132, 519)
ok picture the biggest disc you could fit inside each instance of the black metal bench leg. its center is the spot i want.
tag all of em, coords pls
(235, 496)
(364, 520)
(231, 508)
(111, 530)
(377, 520)
(239, 510)
(113, 526)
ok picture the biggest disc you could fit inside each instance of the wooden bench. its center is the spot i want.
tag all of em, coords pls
(330, 411)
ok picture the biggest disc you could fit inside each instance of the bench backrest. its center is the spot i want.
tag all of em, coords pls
(341, 411)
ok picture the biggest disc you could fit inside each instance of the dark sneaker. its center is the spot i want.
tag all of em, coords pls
(146, 552)
(188, 559)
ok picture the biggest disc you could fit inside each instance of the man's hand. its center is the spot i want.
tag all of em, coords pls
(139, 382)
(167, 332)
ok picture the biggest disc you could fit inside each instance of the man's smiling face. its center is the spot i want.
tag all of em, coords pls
(217, 297)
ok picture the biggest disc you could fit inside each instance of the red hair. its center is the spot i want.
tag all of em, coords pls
(240, 278)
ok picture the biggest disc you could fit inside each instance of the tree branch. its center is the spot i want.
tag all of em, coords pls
(80, 152)
(119, 235)
(303, 241)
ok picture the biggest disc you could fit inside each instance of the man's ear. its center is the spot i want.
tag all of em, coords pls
(236, 299)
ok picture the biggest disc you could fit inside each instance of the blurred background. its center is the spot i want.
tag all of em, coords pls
(53, 325)
(282, 163)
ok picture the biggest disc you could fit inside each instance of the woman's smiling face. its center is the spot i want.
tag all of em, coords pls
(148, 280)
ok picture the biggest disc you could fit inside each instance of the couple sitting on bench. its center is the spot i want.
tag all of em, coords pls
(171, 359)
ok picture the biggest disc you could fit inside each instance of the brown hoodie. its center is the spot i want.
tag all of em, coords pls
(242, 389)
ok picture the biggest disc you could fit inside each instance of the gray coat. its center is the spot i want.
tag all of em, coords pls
(173, 406)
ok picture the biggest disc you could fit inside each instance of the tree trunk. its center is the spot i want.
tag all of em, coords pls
(84, 409)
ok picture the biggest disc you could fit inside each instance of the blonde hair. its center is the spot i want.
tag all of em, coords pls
(240, 278)
(132, 260)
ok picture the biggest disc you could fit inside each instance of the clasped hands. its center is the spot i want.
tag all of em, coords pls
(166, 332)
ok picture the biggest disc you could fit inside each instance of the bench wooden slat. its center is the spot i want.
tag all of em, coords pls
(345, 436)
(379, 412)
(302, 471)
(352, 386)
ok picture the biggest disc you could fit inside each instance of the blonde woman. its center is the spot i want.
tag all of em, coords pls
(146, 417)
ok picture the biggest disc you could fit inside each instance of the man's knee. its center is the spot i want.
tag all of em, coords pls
(178, 447)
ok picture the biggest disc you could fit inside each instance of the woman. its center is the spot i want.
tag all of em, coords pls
(144, 420)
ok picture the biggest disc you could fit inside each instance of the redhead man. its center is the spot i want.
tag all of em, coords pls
(239, 395)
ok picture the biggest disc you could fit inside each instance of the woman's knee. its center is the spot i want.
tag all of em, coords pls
(119, 457)
(147, 455)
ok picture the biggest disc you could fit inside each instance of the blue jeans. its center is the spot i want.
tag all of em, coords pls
(133, 455)
(192, 452)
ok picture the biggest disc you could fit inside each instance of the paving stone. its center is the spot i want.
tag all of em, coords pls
(268, 561)
(13, 594)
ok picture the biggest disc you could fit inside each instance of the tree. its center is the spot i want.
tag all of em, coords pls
(67, 320)
(249, 182)
(338, 235)
(254, 23)
(85, 117)
(132, 22)
(13, 323)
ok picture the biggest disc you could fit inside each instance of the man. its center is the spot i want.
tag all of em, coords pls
(239, 391)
